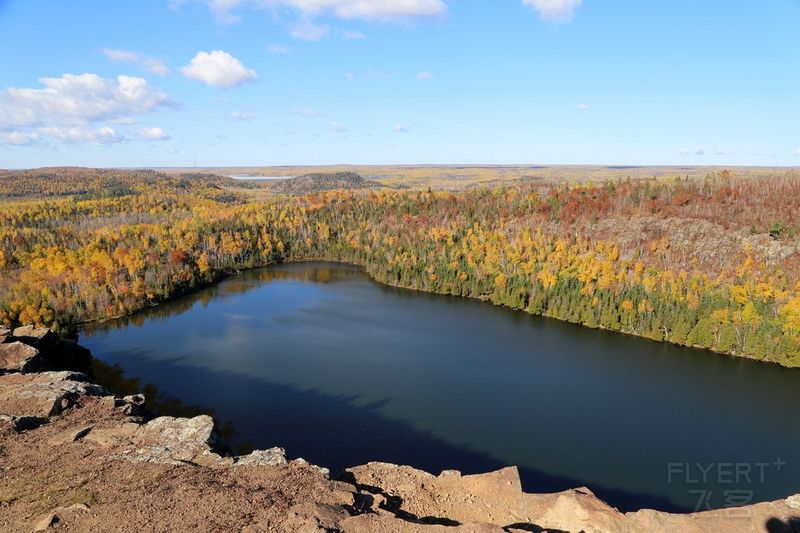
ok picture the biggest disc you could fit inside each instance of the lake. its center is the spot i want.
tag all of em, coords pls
(341, 370)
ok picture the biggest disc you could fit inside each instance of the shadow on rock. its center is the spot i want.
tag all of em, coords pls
(776, 525)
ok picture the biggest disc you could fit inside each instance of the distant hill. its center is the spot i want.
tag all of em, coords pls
(323, 181)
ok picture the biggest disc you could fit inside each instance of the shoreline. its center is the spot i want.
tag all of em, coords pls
(219, 277)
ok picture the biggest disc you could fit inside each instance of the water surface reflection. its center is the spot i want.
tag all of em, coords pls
(340, 370)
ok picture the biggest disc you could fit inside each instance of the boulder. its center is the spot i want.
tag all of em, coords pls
(19, 357)
(22, 423)
(173, 440)
(45, 394)
(46, 521)
(132, 405)
(491, 498)
(41, 338)
(55, 353)
(273, 457)
(302, 462)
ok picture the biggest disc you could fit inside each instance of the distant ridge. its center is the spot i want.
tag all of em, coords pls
(323, 181)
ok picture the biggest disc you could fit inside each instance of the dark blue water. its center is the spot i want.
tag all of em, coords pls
(340, 370)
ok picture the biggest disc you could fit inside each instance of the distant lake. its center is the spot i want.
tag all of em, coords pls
(340, 370)
(254, 177)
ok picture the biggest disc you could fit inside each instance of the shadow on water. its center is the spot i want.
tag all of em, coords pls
(713, 406)
(158, 403)
(344, 434)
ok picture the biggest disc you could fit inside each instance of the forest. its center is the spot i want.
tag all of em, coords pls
(705, 262)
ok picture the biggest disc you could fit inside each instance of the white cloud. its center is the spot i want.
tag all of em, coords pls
(386, 10)
(150, 64)
(78, 99)
(305, 112)
(241, 116)
(305, 30)
(700, 151)
(19, 138)
(349, 76)
(424, 75)
(77, 134)
(555, 10)
(218, 69)
(583, 107)
(370, 9)
(277, 49)
(337, 127)
(400, 128)
(153, 134)
(351, 35)
(797, 151)
(222, 10)
(73, 107)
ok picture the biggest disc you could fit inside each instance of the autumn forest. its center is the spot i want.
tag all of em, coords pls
(706, 262)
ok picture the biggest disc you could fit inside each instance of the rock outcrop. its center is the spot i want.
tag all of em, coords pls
(18, 357)
(44, 394)
(74, 456)
(30, 349)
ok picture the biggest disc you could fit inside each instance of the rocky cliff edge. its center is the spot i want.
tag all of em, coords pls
(75, 457)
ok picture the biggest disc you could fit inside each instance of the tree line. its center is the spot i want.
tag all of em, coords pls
(692, 262)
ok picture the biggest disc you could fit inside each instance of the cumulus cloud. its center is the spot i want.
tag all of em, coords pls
(583, 107)
(337, 127)
(218, 69)
(424, 75)
(349, 76)
(18, 138)
(150, 64)
(78, 99)
(305, 30)
(73, 107)
(77, 134)
(153, 134)
(400, 128)
(555, 10)
(797, 151)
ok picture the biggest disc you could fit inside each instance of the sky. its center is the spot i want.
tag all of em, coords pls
(306, 82)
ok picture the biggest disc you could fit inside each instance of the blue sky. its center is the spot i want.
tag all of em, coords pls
(273, 82)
